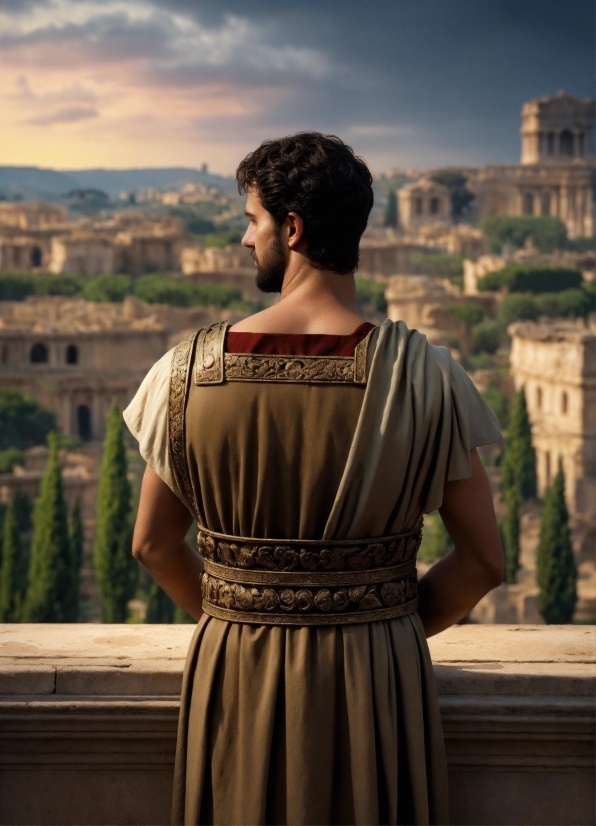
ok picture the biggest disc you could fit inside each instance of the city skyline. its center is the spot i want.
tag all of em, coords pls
(103, 83)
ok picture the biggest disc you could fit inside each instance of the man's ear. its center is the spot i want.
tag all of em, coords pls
(295, 229)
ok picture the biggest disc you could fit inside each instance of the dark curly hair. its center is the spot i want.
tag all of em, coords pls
(318, 177)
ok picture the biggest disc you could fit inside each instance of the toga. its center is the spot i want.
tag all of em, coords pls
(308, 461)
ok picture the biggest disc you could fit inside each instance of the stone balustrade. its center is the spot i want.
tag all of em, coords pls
(88, 722)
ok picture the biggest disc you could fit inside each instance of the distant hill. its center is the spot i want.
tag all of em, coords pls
(32, 182)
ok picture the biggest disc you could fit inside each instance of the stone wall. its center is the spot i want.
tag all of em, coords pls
(88, 722)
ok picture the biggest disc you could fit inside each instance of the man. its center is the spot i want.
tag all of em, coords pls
(308, 444)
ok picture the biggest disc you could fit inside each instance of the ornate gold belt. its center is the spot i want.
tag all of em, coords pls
(309, 582)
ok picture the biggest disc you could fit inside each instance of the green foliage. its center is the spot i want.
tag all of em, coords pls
(13, 571)
(498, 402)
(77, 541)
(479, 361)
(51, 595)
(107, 288)
(158, 289)
(566, 304)
(16, 286)
(371, 293)
(23, 510)
(468, 313)
(67, 285)
(546, 232)
(438, 264)
(222, 239)
(460, 196)
(519, 460)
(160, 608)
(530, 278)
(436, 542)
(516, 307)
(584, 244)
(487, 336)
(24, 422)
(510, 531)
(556, 571)
(115, 568)
(10, 457)
(391, 209)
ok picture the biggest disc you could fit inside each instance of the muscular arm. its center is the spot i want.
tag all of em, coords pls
(454, 585)
(159, 544)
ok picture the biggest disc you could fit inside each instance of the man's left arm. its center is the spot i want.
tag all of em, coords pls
(159, 544)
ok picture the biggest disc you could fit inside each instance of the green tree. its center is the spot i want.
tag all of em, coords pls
(519, 460)
(391, 209)
(436, 542)
(77, 541)
(556, 571)
(51, 578)
(546, 232)
(183, 617)
(107, 288)
(510, 534)
(160, 608)
(13, 572)
(460, 196)
(115, 567)
(23, 421)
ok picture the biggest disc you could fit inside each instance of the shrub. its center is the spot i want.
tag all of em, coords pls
(486, 337)
(469, 314)
(439, 265)
(67, 285)
(222, 239)
(16, 286)
(516, 307)
(531, 279)
(10, 457)
(479, 361)
(498, 403)
(546, 232)
(436, 542)
(24, 422)
(371, 292)
(108, 288)
(158, 289)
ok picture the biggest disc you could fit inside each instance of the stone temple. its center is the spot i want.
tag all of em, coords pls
(556, 173)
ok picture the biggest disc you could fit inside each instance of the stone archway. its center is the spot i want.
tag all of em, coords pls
(39, 354)
(36, 257)
(84, 428)
(566, 143)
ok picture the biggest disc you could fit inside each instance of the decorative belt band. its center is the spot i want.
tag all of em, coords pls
(307, 582)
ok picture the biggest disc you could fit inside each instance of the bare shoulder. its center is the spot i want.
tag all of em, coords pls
(258, 323)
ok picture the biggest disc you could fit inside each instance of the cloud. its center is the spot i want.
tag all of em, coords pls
(71, 114)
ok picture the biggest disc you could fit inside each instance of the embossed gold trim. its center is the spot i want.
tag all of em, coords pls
(313, 580)
(176, 418)
(353, 618)
(213, 366)
(209, 362)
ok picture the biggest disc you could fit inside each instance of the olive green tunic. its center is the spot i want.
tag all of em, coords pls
(316, 725)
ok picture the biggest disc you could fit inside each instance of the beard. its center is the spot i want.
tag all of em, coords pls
(271, 267)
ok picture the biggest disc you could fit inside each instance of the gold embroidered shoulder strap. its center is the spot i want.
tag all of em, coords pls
(209, 362)
(179, 375)
(212, 365)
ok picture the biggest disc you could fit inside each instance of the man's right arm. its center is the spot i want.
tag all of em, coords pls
(453, 586)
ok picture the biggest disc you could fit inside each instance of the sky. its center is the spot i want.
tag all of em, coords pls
(407, 83)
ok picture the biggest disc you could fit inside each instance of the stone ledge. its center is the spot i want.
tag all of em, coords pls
(88, 718)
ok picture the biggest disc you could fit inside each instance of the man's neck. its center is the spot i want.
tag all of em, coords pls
(311, 301)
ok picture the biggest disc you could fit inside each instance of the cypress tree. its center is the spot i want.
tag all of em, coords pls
(115, 568)
(160, 608)
(51, 580)
(391, 209)
(510, 535)
(556, 572)
(13, 575)
(77, 539)
(519, 461)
